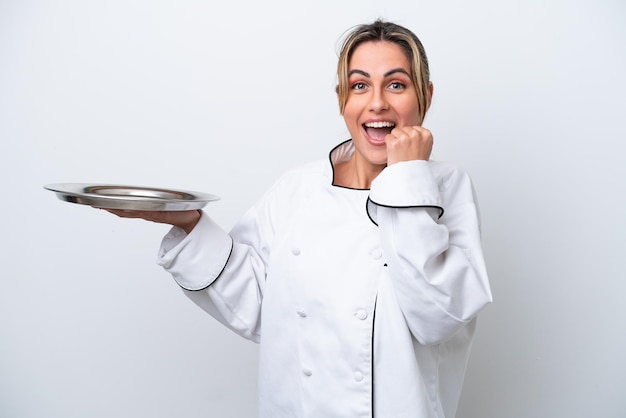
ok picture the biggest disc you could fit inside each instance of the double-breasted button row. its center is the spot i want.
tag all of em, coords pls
(360, 314)
(376, 253)
(357, 375)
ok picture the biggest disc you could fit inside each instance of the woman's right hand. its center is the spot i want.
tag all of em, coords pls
(186, 219)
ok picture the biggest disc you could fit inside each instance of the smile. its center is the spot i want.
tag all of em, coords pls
(379, 125)
(377, 131)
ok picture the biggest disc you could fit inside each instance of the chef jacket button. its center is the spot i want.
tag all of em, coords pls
(307, 372)
(358, 376)
(295, 251)
(361, 314)
(302, 313)
(376, 254)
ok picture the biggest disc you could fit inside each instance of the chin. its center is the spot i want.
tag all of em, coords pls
(378, 162)
(378, 158)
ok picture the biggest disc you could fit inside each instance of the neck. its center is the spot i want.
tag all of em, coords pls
(355, 174)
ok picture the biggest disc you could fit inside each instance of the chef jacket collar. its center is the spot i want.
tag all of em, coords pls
(341, 153)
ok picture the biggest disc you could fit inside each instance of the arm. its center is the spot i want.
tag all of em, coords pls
(222, 273)
(431, 239)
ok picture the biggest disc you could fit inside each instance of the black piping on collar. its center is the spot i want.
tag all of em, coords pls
(332, 166)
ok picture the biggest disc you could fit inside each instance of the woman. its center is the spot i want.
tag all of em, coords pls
(360, 276)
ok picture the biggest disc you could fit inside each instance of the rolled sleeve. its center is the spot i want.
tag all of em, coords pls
(195, 260)
(404, 185)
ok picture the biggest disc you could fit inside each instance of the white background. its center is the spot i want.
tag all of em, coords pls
(222, 97)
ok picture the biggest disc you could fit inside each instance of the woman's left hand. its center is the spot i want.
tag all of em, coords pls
(408, 143)
(186, 219)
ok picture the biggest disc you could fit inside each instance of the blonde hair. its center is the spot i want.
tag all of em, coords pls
(377, 31)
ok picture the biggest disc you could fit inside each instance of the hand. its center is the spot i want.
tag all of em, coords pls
(186, 219)
(408, 143)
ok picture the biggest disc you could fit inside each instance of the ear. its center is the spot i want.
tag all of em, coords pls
(338, 99)
(430, 93)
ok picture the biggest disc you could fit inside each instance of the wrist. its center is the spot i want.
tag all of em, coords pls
(191, 222)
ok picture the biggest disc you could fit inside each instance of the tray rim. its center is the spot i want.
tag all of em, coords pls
(75, 193)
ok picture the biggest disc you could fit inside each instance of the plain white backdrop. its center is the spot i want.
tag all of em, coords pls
(222, 97)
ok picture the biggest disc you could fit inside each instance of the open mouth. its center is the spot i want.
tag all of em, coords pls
(377, 131)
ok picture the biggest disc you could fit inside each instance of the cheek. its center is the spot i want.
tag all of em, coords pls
(410, 113)
(351, 125)
(350, 115)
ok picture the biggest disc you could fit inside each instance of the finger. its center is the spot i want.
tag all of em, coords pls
(422, 131)
(127, 213)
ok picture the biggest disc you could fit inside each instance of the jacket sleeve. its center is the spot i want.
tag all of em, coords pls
(223, 273)
(430, 234)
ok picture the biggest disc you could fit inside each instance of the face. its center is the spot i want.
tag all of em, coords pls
(381, 96)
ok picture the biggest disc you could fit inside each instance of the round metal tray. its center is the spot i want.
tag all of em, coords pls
(113, 196)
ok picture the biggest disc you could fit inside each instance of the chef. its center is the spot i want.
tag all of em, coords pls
(360, 275)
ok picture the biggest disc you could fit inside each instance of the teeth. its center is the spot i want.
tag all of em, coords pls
(380, 125)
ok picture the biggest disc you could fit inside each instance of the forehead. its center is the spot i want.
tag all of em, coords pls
(379, 55)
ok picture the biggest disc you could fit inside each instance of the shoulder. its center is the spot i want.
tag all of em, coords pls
(448, 173)
(454, 182)
(308, 174)
(293, 185)
(445, 169)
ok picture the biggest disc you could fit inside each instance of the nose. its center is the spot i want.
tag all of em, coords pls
(378, 101)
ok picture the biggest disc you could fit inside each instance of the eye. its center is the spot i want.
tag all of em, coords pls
(396, 85)
(358, 86)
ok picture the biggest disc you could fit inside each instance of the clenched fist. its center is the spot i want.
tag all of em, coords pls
(408, 143)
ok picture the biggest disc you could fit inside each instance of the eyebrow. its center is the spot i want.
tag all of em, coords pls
(387, 74)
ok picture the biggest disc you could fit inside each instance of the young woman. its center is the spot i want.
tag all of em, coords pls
(360, 275)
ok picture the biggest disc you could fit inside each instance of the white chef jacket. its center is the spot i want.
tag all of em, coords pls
(363, 301)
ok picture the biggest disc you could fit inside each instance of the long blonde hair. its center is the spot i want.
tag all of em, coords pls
(381, 30)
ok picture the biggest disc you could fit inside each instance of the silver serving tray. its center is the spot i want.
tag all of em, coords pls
(113, 196)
